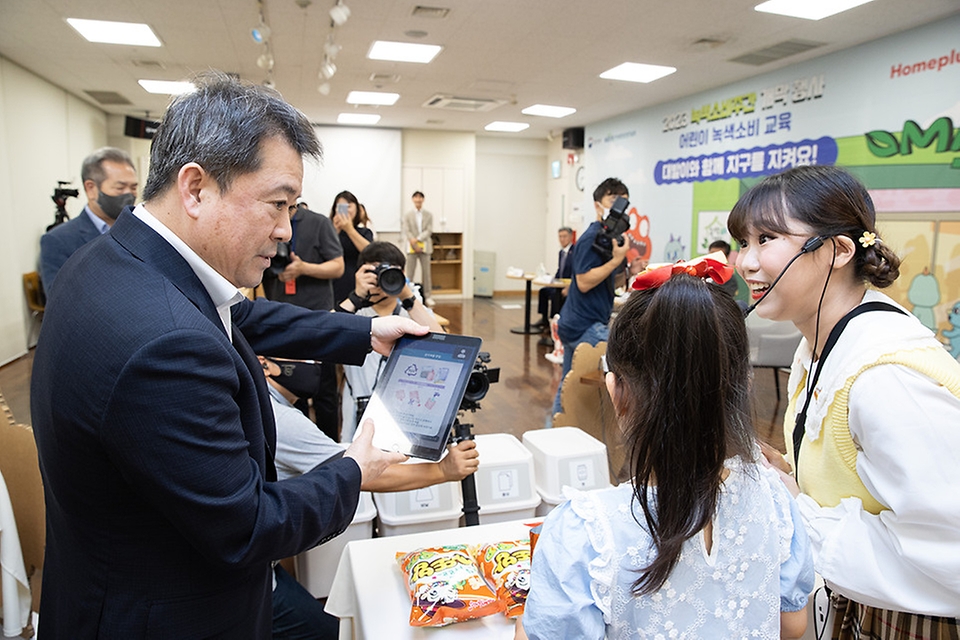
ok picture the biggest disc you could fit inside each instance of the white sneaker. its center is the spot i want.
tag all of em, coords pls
(430, 302)
(554, 358)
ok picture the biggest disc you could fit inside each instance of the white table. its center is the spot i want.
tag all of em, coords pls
(370, 596)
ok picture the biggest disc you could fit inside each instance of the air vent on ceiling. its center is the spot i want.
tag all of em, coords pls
(421, 11)
(107, 97)
(149, 64)
(458, 103)
(776, 52)
(384, 78)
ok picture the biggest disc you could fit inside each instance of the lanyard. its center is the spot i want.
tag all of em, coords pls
(799, 426)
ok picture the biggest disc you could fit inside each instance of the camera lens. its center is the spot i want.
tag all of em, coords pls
(390, 279)
(477, 387)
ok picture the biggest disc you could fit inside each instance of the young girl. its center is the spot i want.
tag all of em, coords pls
(873, 420)
(704, 542)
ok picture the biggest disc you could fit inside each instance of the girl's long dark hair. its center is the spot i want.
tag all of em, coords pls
(681, 357)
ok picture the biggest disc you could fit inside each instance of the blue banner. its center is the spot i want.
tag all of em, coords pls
(747, 163)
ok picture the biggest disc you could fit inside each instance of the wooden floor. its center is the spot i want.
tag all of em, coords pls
(520, 401)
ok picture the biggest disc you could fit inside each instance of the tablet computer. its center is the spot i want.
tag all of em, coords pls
(418, 393)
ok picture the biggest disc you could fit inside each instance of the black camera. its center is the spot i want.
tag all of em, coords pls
(390, 278)
(59, 198)
(479, 382)
(615, 225)
(280, 261)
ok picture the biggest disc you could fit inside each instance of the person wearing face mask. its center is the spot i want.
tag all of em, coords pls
(586, 313)
(110, 182)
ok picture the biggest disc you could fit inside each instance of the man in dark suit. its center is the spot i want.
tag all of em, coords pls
(152, 417)
(550, 298)
(110, 182)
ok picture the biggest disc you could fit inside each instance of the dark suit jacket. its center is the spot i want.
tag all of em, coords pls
(59, 243)
(567, 270)
(156, 438)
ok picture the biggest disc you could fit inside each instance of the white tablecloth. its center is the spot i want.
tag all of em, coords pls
(370, 597)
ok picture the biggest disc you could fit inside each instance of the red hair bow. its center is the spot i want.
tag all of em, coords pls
(702, 267)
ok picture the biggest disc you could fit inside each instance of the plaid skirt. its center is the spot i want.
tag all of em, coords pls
(855, 621)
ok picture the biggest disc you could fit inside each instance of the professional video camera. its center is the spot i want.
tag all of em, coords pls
(615, 225)
(280, 261)
(390, 278)
(59, 198)
(479, 383)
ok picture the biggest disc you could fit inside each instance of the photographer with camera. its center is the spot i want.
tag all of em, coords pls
(381, 290)
(598, 257)
(110, 183)
(302, 273)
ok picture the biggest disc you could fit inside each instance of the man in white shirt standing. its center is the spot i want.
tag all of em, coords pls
(418, 231)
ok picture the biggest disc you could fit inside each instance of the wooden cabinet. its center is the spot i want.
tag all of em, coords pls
(446, 263)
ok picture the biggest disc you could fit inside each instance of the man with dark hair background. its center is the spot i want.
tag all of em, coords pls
(586, 313)
(110, 183)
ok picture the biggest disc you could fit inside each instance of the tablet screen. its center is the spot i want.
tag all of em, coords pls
(418, 394)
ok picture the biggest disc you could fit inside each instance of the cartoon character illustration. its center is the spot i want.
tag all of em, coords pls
(431, 596)
(518, 584)
(953, 334)
(924, 295)
(673, 250)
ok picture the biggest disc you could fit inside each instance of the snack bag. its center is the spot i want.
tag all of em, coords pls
(445, 586)
(506, 565)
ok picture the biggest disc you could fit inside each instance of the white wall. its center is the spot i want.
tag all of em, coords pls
(44, 135)
(511, 209)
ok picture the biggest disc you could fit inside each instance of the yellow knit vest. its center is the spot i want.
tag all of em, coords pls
(828, 465)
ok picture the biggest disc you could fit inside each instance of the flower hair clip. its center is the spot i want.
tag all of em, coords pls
(868, 239)
(702, 267)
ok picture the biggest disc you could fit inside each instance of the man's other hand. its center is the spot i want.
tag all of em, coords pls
(372, 461)
(385, 330)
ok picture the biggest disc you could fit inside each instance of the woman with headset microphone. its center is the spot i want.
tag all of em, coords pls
(873, 421)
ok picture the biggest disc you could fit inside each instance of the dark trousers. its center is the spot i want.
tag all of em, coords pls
(549, 302)
(297, 615)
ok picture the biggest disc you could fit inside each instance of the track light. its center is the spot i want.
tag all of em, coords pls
(339, 13)
(327, 69)
(265, 61)
(260, 33)
(331, 49)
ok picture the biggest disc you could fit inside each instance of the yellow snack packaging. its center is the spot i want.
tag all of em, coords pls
(506, 566)
(445, 586)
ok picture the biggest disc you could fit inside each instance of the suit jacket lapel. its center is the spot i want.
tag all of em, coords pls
(266, 409)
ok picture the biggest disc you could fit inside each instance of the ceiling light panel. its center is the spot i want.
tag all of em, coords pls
(808, 9)
(507, 127)
(637, 72)
(105, 32)
(548, 111)
(379, 98)
(167, 87)
(403, 51)
(358, 118)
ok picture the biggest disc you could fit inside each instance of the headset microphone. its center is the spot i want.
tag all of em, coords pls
(809, 246)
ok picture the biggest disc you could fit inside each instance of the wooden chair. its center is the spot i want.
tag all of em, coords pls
(33, 291)
(586, 404)
(21, 471)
